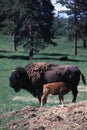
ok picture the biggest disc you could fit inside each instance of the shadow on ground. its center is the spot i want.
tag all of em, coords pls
(43, 56)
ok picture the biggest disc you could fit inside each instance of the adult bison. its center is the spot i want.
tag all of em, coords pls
(34, 75)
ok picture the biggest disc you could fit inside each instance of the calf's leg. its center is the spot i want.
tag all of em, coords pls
(43, 100)
(44, 97)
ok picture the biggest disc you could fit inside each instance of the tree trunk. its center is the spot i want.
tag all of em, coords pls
(84, 43)
(31, 54)
(75, 42)
(75, 30)
(31, 43)
(14, 42)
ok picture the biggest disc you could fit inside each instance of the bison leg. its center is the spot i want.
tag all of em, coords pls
(74, 92)
(39, 98)
(39, 94)
(61, 99)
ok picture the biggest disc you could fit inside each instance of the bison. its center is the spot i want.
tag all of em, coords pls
(59, 88)
(33, 76)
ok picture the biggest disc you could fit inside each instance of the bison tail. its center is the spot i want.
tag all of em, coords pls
(83, 78)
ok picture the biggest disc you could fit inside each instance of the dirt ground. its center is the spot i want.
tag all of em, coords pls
(72, 116)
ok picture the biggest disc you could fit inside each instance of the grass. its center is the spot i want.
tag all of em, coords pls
(9, 60)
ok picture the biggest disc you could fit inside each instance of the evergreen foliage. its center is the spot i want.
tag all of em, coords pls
(77, 21)
(28, 21)
(59, 26)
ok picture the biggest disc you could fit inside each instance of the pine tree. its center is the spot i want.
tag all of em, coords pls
(77, 19)
(83, 21)
(72, 5)
(59, 26)
(9, 12)
(29, 21)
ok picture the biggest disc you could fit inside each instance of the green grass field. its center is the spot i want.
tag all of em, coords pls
(9, 60)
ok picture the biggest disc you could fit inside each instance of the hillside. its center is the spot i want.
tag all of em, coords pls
(70, 117)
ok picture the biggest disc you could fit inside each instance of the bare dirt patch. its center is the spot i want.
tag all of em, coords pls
(73, 116)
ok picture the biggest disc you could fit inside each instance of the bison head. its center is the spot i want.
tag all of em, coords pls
(19, 79)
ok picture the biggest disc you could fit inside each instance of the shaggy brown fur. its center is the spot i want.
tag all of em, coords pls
(54, 88)
(35, 70)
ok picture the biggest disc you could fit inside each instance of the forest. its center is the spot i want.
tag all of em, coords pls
(33, 24)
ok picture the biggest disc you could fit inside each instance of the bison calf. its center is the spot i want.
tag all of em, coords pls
(59, 88)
